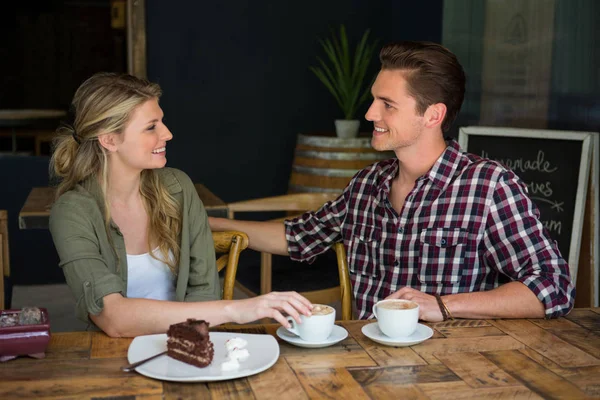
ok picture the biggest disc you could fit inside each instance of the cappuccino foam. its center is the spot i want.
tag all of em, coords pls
(398, 305)
(319, 309)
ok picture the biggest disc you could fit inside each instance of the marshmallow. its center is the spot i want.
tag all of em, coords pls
(239, 354)
(235, 343)
(230, 365)
(235, 354)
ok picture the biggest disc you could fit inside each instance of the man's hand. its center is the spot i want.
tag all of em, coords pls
(429, 310)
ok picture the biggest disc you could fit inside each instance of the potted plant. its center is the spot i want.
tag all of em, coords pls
(345, 77)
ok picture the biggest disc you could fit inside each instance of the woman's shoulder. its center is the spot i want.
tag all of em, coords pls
(77, 198)
(175, 180)
(76, 205)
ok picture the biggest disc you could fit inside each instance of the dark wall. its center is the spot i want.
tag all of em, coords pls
(49, 47)
(237, 88)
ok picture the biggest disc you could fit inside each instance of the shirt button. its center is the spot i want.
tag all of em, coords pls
(443, 242)
(87, 284)
(401, 230)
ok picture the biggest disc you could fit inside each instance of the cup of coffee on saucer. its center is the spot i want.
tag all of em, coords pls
(397, 318)
(317, 327)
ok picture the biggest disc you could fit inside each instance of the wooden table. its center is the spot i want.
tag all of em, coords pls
(36, 210)
(464, 359)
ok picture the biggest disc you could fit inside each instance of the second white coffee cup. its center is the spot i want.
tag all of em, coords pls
(315, 328)
(397, 318)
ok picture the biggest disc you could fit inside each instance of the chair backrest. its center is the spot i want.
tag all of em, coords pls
(345, 285)
(4, 256)
(301, 202)
(229, 245)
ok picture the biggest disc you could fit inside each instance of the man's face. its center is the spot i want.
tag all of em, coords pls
(393, 112)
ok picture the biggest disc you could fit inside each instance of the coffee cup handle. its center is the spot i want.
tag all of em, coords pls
(374, 310)
(294, 328)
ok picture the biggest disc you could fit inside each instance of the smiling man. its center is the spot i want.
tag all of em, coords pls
(449, 230)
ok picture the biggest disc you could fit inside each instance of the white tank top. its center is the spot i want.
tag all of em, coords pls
(148, 278)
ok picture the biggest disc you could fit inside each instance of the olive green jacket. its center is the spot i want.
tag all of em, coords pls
(90, 264)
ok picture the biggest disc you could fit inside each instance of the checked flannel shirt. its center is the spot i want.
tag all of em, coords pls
(467, 225)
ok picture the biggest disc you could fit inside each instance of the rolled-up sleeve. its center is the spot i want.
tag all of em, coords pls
(85, 270)
(518, 245)
(313, 233)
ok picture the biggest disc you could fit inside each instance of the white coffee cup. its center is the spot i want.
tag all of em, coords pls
(397, 318)
(315, 328)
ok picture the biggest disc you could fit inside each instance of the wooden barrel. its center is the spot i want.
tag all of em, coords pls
(326, 164)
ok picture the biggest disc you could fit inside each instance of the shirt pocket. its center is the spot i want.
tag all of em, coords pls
(364, 250)
(442, 252)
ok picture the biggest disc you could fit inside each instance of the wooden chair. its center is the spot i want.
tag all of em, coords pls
(4, 255)
(299, 202)
(229, 245)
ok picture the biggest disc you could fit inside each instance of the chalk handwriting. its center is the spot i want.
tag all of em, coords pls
(523, 165)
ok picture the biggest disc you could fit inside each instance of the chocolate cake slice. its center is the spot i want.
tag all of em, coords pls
(189, 342)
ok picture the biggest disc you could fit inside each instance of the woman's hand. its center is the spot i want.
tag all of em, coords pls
(270, 305)
(429, 309)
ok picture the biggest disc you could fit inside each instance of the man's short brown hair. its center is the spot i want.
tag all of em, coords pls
(433, 75)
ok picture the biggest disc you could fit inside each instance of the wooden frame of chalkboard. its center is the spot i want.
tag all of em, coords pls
(557, 167)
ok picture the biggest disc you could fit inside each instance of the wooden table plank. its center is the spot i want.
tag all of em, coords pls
(476, 370)
(69, 345)
(330, 383)
(544, 382)
(191, 391)
(230, 390)
(586, 318)
(403, 375)
(430, 348)
(547, 344)
(278, 383)
(104, 346)
(462, 391)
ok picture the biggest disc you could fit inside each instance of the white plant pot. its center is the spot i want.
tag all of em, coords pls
(347, 128)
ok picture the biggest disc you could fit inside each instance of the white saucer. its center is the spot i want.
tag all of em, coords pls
(337, 335)
(422, 333)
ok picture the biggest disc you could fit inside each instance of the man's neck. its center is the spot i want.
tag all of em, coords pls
(415, 160)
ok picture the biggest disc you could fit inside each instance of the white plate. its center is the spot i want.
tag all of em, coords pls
(337, 335)
(263, 349)
(422, 333)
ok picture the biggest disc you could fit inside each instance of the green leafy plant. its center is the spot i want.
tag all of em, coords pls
(345, 74)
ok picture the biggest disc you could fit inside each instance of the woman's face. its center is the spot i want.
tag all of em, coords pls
(143, 143)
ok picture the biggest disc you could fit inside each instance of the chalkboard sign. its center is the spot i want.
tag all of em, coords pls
(555, 165)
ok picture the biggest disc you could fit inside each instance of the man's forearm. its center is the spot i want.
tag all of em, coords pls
(267, 237)
(511, 300)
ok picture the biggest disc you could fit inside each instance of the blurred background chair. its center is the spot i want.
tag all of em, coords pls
(325, 281)
(229, 245)
(4, 260)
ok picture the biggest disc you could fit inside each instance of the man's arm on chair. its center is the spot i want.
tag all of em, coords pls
(268, 237)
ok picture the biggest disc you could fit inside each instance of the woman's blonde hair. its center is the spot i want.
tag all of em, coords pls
(104, 104)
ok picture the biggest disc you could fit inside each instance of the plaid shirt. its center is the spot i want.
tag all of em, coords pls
(467, 225)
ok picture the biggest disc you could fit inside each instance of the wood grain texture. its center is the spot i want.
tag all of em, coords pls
(544, 382)
(476, 370)
(278, 382)
(330, 383)
(546, 343)
(430, 348)
(499, 359)
(586, 318)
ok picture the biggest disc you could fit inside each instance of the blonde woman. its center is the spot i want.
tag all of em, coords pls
(133, 238)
